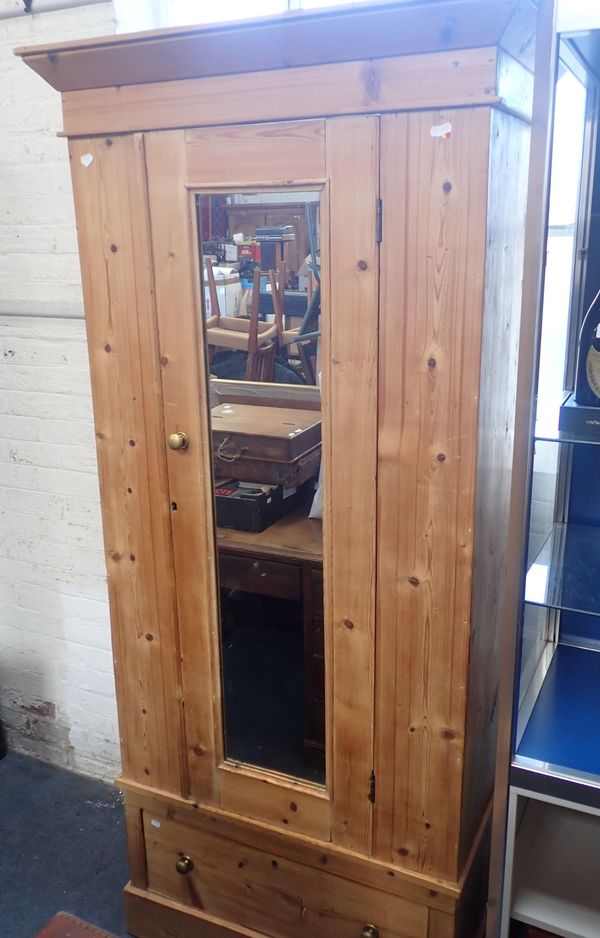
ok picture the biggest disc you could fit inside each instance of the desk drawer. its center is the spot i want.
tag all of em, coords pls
(318, 639)
(265, 577)
(316, 577)
(269, 893)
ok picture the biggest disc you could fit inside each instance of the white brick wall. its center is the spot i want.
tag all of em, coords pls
(56, 679)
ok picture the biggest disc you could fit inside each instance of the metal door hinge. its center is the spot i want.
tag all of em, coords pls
(378, 221)
(371, 795)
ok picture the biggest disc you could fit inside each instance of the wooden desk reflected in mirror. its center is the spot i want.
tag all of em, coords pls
(283, 563)
(266, 460)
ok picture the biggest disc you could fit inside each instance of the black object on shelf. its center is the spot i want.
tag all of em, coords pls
(579, 418)
(550, 433)
(251, 506)
(275, 233)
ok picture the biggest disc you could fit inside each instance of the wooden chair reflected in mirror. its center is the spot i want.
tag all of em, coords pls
(293, 343)
(237, 333)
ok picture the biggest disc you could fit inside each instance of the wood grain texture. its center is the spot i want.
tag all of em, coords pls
(292, 806)
(280, 42)
(507, 201)
(189, 471)
(274, 395)
(441, 925)
(448, 79)
(425, 890)
(190, 485)
(158, 917)
(136, 845)
(350, 458)
(515, 85)
(238, 883)
(293, 537)
(272, 154)
(432, 260)
(116, 265)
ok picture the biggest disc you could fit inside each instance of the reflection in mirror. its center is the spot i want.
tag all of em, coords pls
(260, 260)
(260, 268)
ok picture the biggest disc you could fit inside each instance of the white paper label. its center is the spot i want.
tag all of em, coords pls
(154, 822)
(442, 130)
(86, 160)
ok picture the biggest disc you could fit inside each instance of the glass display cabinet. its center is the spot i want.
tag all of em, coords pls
(302, 246)
(553, 855)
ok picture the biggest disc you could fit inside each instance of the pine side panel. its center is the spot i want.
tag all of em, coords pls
(185, 399)
(507, 203)
(350, 390)
(434, 193)
(116, 264)
(546, 50)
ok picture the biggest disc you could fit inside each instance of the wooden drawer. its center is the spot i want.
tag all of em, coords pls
(316, 583)
(265, 577)
(268, 893)
(318, 643)
(317, 669)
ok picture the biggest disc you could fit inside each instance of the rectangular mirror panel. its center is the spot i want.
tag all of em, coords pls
(260, 272)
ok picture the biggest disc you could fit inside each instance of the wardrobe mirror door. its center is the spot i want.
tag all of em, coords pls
(259, 267)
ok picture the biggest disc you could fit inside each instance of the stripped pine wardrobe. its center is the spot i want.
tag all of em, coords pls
(307, 710)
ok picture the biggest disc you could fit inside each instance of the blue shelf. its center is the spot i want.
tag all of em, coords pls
(563, 732)
(565, 573)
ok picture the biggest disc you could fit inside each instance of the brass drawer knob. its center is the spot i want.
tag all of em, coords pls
(369, 931)
(178, 440)
(184, 865)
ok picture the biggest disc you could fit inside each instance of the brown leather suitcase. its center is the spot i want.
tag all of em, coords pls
(254, 443)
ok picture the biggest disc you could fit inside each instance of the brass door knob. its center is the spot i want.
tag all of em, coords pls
(178, 440)
(369, 931)
(184, 865)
